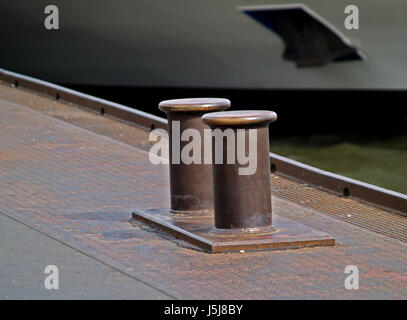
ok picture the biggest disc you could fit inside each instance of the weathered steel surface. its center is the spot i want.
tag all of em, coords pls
(80, 188)
(347, 209)
(199, 231)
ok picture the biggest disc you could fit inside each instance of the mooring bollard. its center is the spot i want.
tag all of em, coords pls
(239, 145)
(242, 200)
(190, 184)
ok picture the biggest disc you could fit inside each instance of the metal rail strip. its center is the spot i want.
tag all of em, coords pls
(337, 184)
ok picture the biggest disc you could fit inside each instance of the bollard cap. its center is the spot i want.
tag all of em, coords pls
(239, 118)
(194, 105)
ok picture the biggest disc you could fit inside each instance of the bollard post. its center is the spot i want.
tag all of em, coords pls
(190, 184)
(242, 200)
(242, 218)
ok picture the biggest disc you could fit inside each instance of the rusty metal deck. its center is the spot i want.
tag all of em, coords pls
(77, 176)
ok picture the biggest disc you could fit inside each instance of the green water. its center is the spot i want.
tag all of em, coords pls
(380, 162)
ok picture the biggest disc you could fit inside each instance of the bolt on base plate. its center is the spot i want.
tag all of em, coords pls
(198, 230)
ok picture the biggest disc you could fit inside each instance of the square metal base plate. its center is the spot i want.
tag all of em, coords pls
(198, 230)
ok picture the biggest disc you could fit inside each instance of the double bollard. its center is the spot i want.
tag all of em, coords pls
(241, 202)
(222, 201)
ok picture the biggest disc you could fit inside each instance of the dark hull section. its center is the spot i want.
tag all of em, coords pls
(357, 113)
